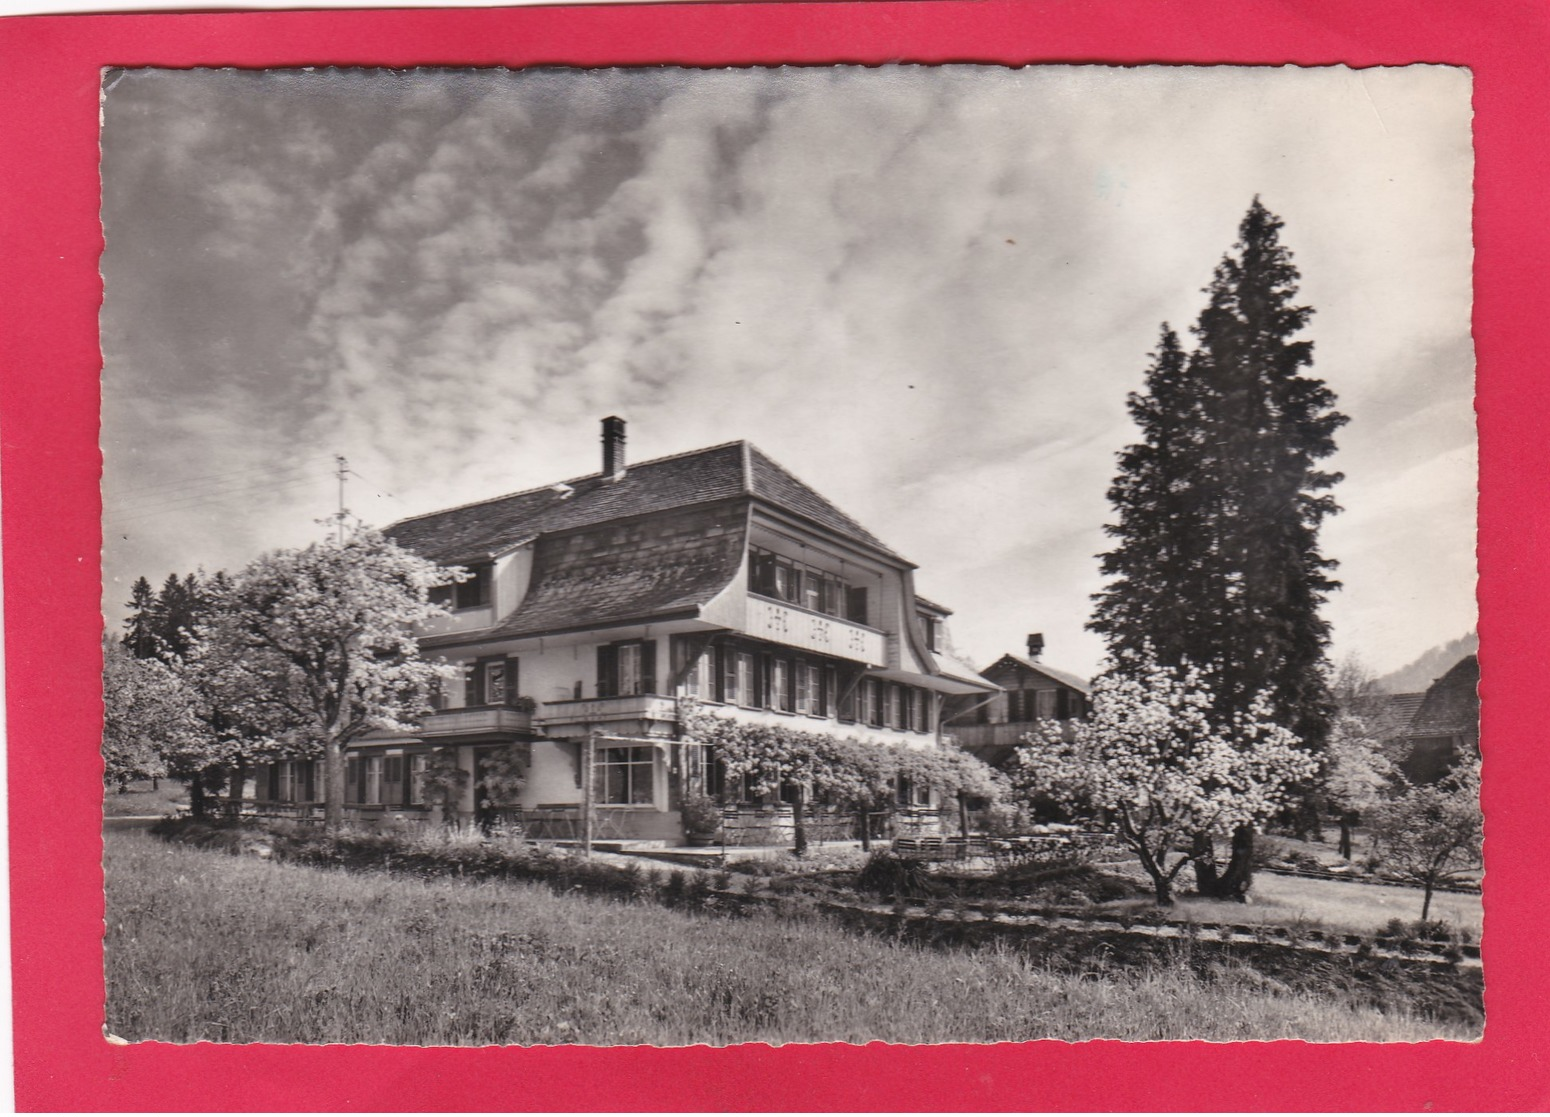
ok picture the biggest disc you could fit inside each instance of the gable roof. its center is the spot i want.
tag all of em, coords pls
(1386, 716)
(480, 531)
(1054, 674)
(1452, 703)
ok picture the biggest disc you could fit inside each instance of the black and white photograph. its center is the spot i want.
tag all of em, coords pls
(667, 556)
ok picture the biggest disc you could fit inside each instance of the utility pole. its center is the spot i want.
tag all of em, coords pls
(343, 468)
(588, 771)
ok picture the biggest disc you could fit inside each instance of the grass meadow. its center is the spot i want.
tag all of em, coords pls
(206, 946)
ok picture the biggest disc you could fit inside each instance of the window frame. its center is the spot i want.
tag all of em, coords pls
(477, 591)
(639, 757)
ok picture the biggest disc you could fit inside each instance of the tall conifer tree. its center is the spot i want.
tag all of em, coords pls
(1220, 504)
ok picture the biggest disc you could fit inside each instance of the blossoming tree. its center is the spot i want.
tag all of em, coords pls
(1433, 833)
(324, 639)
(1153, 763)
(843, 770)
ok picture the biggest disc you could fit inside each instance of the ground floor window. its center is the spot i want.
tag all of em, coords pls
(418, 763)
(387, 781)
(920, 711)
(624, 775)
(911, 793)
(699, 774)
(294, 781)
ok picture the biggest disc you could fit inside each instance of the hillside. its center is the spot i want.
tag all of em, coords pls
(1431, 665)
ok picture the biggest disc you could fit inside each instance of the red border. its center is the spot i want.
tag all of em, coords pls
(49, 290)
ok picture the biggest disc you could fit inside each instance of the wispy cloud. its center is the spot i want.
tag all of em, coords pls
(926, 290)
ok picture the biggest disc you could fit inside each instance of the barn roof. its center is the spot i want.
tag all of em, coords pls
(1386, 716)
(1452, 703)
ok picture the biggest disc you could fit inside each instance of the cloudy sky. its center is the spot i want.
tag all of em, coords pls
(925, 290)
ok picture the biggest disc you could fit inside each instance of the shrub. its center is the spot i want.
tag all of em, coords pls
(885, 875)
(700, 814)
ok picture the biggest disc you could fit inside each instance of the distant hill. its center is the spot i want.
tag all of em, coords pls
(1430, 666)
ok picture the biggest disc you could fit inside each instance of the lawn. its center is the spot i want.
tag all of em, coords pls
(204, 946)
(1335, 904)
(143, 800)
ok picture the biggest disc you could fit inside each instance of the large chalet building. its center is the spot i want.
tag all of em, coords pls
(596, 604)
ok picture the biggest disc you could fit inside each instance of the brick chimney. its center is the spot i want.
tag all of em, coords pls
(613, 448)
(1035, 646)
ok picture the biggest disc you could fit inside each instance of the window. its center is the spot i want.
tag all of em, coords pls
(809, 697)
(371, 793)
(475, 592)
(418, 763)
(393, 780)
(909, 793)
(495, 683)
(699, 670)
(780, 685)
(920, 711)
(872, 701)
(849, 699)
(628, 668)
(784, 578)
(698, 770)
(933, 627)
(771, 575)
(624, 775)
(490, 682)
(895, 697)
(745, 684)
(293, 781)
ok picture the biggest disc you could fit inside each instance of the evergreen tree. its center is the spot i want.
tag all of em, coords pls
(1219, 507)
(139, 626)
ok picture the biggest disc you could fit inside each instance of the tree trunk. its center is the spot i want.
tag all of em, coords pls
(866, 830)
(239, 779)
(1347, 820)
(333, 787)
(799, 825)
(963, 815)
(1203, 852)
(1426, 901)
(1238, 877)
(155, 784)
(196, 795)
(1164, 890)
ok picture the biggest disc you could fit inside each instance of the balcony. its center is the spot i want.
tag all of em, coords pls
(626, 715)
(471, 721)
(796, 627)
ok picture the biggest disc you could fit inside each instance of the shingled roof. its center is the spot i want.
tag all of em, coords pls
(1452, 703)
(1054, 674)
(479, 531)
(593, 578)
(1386, 716)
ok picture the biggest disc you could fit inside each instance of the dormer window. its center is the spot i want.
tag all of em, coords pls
(933, 627)
(472, 594)
(475, 592)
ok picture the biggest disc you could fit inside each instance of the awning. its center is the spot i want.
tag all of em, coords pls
(945, 683)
